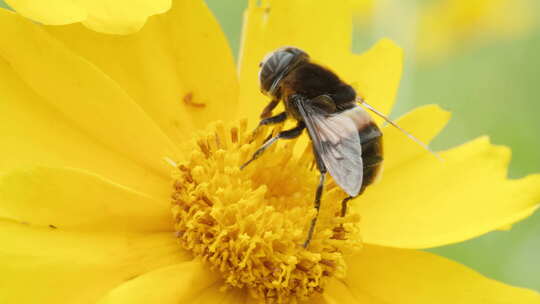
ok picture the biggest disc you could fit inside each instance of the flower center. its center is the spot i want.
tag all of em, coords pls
(250, 224)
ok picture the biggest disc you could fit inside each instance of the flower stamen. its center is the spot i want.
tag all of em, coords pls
(250, 224)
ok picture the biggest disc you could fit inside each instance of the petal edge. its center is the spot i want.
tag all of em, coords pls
(415, 277)
(425, 203)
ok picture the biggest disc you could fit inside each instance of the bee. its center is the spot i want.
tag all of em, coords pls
(346, 142)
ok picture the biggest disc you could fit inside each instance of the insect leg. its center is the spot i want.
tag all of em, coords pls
(274, 119)
(287, 134)
(269, 121)
(344, 205)
(268, 109)
(317, 206)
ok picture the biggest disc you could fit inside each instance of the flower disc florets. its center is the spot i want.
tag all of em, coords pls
(250, 224)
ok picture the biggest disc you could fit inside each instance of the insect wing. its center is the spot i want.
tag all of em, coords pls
(336, 141)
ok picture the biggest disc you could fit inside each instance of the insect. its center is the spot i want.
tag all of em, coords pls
(346, 142)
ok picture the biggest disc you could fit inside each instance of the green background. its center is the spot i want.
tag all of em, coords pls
(491, 88)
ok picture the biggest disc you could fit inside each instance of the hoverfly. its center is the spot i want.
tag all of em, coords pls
(346, 141)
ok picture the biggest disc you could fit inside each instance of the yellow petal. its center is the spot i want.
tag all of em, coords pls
(107, 16)
(375, 74)
(427, 203)
(74, 199)
(337, 292)
(49, 12)
(45, 265)
(363, 9)
(178, 68)
(82, 93)
(323, 30)
(34, 133)
(214, 294)
(182, 283)
(414, 277)
(424, 123)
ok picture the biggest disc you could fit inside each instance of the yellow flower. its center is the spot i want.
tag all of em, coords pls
(107, 16)
(447, 26)
(441, 28)
(85, 193)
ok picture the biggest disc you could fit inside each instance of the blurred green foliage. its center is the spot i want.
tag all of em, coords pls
(493, 89)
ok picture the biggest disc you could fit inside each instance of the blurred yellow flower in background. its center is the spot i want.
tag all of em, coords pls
(447, 26)
(439, 28)
(85, 193)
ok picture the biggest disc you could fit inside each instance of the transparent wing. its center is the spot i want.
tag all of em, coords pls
(336, 140)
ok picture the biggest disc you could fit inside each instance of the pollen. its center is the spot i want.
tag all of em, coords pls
(249, 225)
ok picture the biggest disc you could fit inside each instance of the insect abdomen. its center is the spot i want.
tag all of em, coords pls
(372, 153)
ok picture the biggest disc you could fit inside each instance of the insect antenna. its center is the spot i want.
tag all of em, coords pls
(388, 120)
